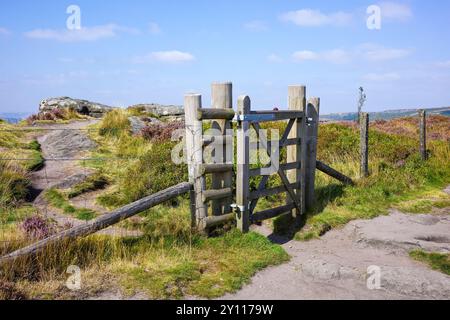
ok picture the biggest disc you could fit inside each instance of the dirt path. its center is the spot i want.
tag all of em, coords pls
(63, 145)
(336, 266)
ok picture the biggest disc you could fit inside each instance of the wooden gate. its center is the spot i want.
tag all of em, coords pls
(297, 174)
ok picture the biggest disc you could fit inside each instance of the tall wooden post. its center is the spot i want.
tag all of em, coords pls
(312, 127)
(222, 98)
(243, 164)
(194, 148)
(364, 144)
(423, 134)
(297, 102)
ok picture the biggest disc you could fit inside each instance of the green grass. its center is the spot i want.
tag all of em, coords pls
(115, 123)
(397, 175)
(94, 182)
(437, 261)
(207, 267)
(168, 261)
(58, 200)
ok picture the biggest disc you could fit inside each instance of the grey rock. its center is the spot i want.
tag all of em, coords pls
(71, 181)
(137, 124)
(66, 143)
(162, 110)
(84, 107)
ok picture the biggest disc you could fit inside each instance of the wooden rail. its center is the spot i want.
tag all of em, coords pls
(102, 222)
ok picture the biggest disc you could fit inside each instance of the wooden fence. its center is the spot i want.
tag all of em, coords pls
(211, 199)
(364, 124)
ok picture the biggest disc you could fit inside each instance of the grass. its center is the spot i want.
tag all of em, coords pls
(115, 123)
(437, 261)
(94, 182)
(397, 175)
(58, 200)
(168, 261)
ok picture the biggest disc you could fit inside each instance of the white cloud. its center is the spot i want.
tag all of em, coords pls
(379, 53)
(395, 11)
(154, 28)
(315, 18)
(443, 64)
(336, 56)
(84, 34)
(255, 25)
(305, 55)
(382, 77)
(4, 32)
(274, 58)
(173, 56)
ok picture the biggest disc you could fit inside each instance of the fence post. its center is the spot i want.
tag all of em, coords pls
(243, 162)
(312, 128)
(297, 102)
(194, 152)
(364, 144)
(222, 98)
(423, 134)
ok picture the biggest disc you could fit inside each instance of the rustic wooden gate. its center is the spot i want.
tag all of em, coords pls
(297, 175)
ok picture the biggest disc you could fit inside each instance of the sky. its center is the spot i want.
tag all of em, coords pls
(129, 52)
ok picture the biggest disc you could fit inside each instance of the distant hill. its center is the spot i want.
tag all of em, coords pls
(14, 117)
(384, 115)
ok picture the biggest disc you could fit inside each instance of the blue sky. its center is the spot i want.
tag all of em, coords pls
(131, 52)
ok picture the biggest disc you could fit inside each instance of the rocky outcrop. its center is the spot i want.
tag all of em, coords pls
(161, 110)
(84, 107)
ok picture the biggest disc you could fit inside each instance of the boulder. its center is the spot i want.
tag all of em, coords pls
(84, 107)
(136, 124)
(161, 110)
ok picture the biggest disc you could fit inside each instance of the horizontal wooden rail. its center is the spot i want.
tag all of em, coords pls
(215, 221)
(333, 173)
(266, 116)
(217, 194)
(215, 168)
(215, 114)
(272, 191)
(102, 222)
(271, 213)
(287, 166)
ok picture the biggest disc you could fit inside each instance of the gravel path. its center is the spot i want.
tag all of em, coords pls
(62, 147)
(336, 265)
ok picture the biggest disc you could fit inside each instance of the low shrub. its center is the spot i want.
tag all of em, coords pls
(37, 227)
(161, 132)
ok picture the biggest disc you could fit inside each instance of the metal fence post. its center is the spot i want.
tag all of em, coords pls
(364, 145)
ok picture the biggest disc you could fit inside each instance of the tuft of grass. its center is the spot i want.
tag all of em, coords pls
(115, 123)
(152, 171)
(207, 268)
(437, 261)
(58, 200)
(94, 182)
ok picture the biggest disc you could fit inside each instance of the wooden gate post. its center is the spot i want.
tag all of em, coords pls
(312, 128)
(243, 165)
(297, 102)
(194, 153)
(222, 98)
(364, 144)
(423, 134)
